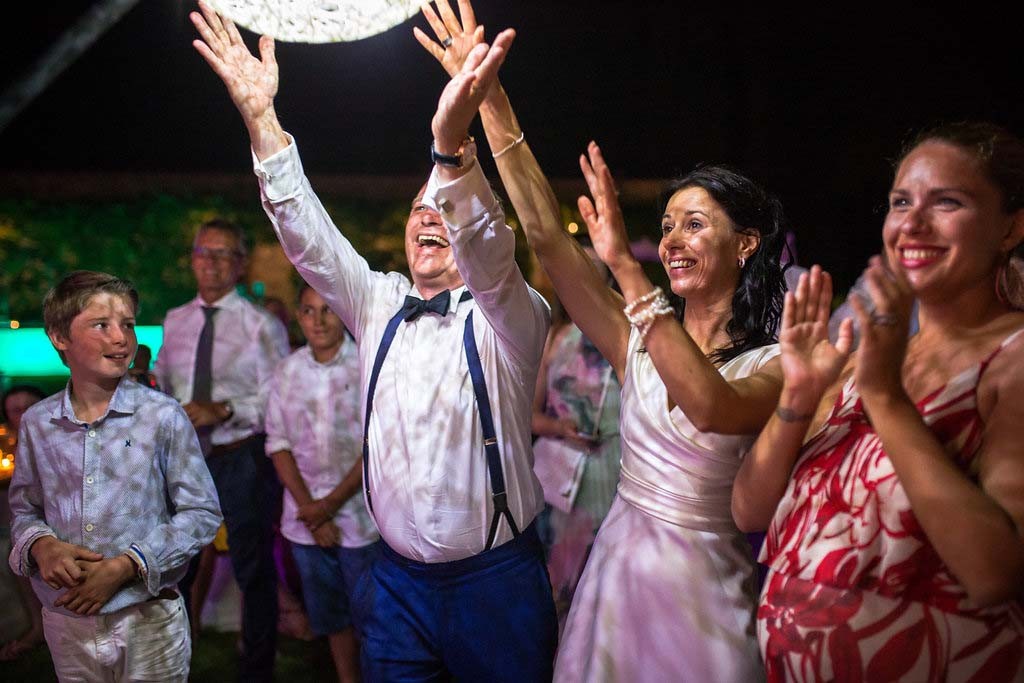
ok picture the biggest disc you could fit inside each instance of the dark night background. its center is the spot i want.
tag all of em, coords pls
(811, 102)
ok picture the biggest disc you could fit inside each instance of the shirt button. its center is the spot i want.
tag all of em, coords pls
(92, 432)
(89, 527)
(88, 480)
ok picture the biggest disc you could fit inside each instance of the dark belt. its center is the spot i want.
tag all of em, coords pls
(165, 594)
(225, 448)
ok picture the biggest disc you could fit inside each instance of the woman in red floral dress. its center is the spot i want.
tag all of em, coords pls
(893, 480)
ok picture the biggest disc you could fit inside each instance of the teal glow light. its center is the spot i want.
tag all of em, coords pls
(27, 352)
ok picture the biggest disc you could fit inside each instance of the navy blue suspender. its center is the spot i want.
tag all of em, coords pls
(497, 477)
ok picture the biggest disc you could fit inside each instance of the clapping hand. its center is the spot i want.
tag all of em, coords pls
(810, 363)
(884, 327)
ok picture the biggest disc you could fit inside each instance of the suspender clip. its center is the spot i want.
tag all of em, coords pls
(491, 441)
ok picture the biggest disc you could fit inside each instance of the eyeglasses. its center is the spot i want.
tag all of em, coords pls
(215, 254)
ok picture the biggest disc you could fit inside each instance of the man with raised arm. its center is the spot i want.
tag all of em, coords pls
(461, 589)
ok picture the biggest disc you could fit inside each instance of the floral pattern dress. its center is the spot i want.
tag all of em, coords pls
(855, 591)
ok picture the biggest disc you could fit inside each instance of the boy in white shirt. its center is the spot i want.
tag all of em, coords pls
(314, 438)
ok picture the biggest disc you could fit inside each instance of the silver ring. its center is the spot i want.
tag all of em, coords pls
(447, 42)
(884, 319)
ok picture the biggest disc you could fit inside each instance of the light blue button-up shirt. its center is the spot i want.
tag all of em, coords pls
(133, 481)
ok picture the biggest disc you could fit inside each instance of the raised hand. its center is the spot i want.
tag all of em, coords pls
(463, 36)
(810, 363)
(58, 561)
(461, 98)
(603, 214)
(251, 82)
(884, 326)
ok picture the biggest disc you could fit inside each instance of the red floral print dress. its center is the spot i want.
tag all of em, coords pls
(855, 591)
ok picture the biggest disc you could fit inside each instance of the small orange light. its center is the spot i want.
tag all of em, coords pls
(15, 324)
(573, 228)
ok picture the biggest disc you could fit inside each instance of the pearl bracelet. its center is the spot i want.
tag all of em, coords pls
(632, 306)
(653, 306)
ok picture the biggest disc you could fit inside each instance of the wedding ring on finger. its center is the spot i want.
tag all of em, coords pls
(447, 42)
(884, 319)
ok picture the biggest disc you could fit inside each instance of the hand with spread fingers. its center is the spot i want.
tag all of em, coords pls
(455, 38)
(461, 98)
(883, 331)
(251, 83)
(810, 363)
(602, 213)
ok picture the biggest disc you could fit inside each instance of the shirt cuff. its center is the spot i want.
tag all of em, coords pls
(463, 201)
(149, 574)
(26, 566)
(275, 444)
(281, 173)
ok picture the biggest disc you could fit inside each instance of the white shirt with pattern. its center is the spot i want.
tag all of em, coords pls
(428, 478)
(313, 412)
(248, 342)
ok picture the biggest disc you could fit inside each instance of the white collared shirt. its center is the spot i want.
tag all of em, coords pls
(428, 478)
(248, 342)
(313, 412)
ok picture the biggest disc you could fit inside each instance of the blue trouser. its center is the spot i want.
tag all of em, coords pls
(247, 487)
(489, 617)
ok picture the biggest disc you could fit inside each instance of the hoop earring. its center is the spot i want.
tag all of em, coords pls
(741, 261)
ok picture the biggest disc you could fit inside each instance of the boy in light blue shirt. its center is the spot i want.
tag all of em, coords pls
(110, 497)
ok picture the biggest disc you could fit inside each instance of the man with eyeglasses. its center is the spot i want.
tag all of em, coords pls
(218, 355)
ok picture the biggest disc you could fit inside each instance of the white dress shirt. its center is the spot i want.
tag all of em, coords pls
(313, 412)
(248, 342)
(428, 473)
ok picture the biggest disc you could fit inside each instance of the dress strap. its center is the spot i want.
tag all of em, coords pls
(1006, 342)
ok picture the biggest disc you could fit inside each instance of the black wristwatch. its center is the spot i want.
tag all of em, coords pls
(464, 157)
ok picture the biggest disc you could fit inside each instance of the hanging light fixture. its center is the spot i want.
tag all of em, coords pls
(317, 21)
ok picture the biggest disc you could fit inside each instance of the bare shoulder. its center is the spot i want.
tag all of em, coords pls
(1003, 379)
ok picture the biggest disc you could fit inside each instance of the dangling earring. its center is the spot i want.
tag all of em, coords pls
(742, 261)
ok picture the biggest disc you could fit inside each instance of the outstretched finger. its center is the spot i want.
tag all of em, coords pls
(588, 172)
(844, 340)
(213, 19)
(451, 22)
(206, 33)
(788, 311)
(268, 54)
(429, 45)
(234, 37)
(813, 294)
(215, 62)
(800, 300)
(487, 71)
(435, 22)
(588, 212)
(468, 16)
(825, 298)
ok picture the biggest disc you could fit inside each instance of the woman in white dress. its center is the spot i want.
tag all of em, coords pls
(668, 592)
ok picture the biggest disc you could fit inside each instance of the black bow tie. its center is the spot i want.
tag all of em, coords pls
(414, 306)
